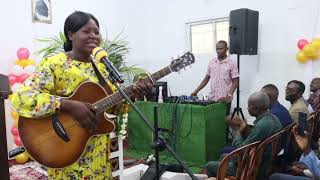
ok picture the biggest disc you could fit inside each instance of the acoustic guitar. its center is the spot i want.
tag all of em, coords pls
(58, 140)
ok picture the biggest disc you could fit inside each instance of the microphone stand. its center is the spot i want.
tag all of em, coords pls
(238, 108)
(157, 143)
(161, 141)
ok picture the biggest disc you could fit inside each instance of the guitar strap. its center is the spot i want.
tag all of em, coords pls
(102, 81)
(105, 85)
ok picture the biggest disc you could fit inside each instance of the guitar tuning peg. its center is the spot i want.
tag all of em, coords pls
(179, 72)
(184, 68)
(190, 66)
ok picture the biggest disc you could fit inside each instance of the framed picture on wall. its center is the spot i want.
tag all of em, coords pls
(41, 11)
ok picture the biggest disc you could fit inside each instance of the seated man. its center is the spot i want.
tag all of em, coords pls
(276, 108)
(299, 106)
(314, 101)
(294, 92)
(314, 98)
(265, 125)
(308, 158)
(283, 115)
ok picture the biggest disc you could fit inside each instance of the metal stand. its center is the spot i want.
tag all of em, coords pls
(157, 143)
(238, 108)
(160, 139)
(4, 93)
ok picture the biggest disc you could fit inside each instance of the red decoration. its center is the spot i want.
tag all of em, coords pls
(22, 77)
(17, 141)
(12, 79)
(23, 53)
(301, 43)
(14, 131)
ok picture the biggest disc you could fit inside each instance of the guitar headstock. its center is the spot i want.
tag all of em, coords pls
(182, 62)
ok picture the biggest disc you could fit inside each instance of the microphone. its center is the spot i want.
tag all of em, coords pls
(101, 55)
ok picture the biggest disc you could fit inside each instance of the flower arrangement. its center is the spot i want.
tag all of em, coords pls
(117, 50)
(123, 120)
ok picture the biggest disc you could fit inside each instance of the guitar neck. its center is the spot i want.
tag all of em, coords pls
(115, 98)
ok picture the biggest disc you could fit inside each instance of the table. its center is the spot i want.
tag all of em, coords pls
(197, 132)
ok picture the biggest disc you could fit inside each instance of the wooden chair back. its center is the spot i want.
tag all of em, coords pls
(288, 132)
(311, 123)
(274, 142)
(243, 156)
(314, 129)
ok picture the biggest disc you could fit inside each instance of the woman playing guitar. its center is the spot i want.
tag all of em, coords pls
(59, 76)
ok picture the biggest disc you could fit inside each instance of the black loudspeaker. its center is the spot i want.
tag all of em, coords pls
(243, 32)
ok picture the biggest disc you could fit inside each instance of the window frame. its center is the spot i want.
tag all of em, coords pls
(202, 22)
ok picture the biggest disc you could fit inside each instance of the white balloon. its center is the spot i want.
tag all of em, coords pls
(16, 86)
(30, 69)
(37, 61)
(17, 70)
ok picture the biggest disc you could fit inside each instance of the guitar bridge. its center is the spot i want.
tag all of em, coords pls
(59, 129)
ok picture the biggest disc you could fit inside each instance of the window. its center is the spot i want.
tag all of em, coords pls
(204, 35)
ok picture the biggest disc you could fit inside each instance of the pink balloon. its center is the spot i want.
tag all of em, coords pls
(14, 131)
(22, 77)
(23, 53)
(12, 79)
(17, 141)
(301, 43)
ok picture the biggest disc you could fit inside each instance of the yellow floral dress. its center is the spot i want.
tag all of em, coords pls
(60, 76)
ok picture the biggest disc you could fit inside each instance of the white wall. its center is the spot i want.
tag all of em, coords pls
(156, 31)
(18, 30)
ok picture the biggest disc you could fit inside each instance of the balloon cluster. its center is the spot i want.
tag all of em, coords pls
(23, 157)
(22, 69)
(308, 50)
(20, 72)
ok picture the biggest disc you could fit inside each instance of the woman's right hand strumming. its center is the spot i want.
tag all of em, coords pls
(81, 112)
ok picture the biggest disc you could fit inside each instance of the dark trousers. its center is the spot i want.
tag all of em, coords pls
(212, 168)
(228, 107)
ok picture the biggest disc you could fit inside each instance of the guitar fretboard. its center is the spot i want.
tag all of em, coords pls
(115, 98)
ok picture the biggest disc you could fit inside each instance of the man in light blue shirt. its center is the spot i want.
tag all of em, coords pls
(308, 158)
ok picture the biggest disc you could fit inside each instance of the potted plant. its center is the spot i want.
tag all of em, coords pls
(117, 50)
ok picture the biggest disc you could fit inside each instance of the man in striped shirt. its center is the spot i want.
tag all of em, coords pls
(314, 101)
(223, 75)
(314, 98)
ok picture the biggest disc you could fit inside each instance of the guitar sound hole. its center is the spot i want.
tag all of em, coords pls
(59, 129)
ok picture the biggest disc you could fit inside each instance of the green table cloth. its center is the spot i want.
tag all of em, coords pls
(196, 132)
